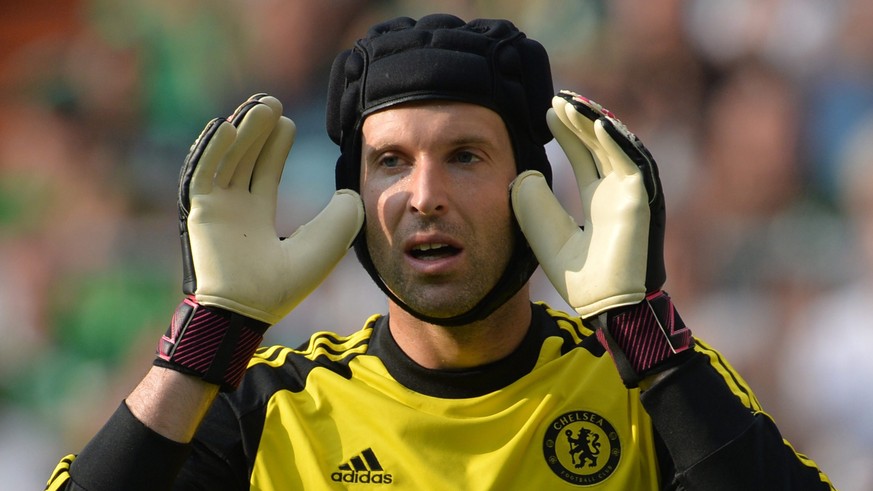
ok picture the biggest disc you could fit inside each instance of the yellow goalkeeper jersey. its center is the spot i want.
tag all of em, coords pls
(346, 422)
(355, 413)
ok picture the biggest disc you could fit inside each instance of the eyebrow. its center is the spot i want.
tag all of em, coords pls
(474, 139)
(460, 141)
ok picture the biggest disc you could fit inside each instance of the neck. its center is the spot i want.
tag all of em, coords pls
(456, 347)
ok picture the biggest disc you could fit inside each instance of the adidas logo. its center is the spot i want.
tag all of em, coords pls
(363, 468)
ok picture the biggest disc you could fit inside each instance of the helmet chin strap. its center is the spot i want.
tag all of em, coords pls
(518, 271)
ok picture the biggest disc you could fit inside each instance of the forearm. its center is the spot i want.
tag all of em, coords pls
(716, 436)
(124, 454)
(145, 442)
(170, 403)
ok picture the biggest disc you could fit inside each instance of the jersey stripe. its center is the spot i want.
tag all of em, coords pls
(734, 381)
(572, 324)
(61, 474)
(810, 463)
(322, 344)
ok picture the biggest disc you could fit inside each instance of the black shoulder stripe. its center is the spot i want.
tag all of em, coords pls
(276, 368)
(575, 333)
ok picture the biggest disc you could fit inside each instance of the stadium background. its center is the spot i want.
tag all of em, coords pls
(759, 112)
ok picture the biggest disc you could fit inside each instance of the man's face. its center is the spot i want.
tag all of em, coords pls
(434, 180)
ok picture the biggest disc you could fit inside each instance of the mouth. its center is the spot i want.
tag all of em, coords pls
(433, 251)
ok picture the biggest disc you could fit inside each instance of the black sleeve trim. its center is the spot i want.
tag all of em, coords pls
(126, 454)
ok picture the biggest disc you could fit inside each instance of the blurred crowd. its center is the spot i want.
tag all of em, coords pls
(759, 113)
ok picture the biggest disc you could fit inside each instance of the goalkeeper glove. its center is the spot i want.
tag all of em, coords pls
(611, 269)
(240, 277)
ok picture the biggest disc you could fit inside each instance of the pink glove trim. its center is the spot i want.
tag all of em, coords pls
(212, 343)
(643, 338)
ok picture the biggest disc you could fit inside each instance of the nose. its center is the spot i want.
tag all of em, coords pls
(428, 188)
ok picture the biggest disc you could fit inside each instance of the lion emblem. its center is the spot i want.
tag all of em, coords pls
(584, 447)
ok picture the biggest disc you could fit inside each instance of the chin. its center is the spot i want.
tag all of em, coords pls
(433, 306)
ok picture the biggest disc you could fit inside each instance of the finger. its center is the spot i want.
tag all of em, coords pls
(559, 105)
(240, 112)
(255, 122)
(591, 112)
(639, 155)
(207, 152)
(272, 102)
(584, 167)
(237, 116)
(585, 129)
(317, 246)
(224, 170)
(271, 162)
(620, 160)
(244, 173)
(582, 104)
(577, 117)
(195, 179)
(543, 221)
(571, 108)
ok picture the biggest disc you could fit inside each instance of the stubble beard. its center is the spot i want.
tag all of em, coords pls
(442, 296)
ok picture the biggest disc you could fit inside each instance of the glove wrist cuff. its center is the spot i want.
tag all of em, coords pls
(209, 342)
(645, 338)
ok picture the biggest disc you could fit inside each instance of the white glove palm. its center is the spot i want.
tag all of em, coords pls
(233, 256)
(606, 263)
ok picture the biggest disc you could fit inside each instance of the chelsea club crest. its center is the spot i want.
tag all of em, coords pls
(581, 447)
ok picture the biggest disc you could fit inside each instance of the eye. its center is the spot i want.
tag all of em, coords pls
(466, 157)
(390, 161)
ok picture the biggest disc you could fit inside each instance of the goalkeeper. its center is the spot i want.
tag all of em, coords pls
(465, 383)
